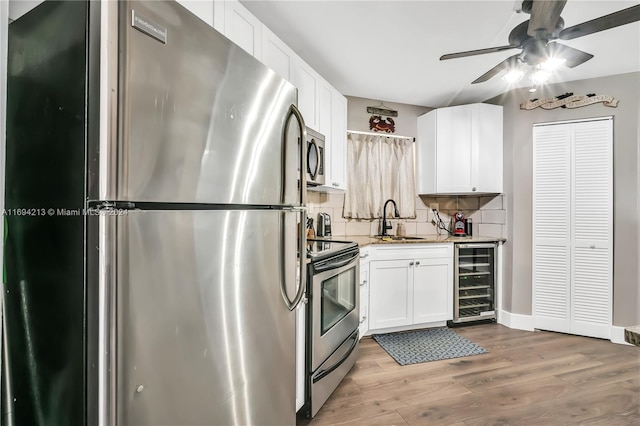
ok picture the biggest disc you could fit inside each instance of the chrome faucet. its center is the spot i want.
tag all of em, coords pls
(384, 216)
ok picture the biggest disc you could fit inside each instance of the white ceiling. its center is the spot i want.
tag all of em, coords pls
(389, 50)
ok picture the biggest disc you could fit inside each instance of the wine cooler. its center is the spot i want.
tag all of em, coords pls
(474, 283)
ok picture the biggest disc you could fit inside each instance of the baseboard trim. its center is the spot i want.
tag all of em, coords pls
(406, 328)
(517, 321)
(617, 336)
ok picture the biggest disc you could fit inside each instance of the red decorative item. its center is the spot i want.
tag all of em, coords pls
(377, 124)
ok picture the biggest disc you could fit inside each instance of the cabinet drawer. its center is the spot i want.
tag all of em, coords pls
(414, 251)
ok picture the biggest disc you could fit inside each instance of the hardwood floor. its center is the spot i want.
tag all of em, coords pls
(527, 378)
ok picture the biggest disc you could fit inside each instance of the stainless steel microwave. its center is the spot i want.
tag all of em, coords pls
(315, 158)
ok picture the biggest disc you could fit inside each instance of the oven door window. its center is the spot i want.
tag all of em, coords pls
(338, 298)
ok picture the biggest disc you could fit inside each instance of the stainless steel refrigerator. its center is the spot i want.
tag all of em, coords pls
(155, 209)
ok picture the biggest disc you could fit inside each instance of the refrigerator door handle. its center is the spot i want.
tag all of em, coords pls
(107, 320)
(293, 110)
(302, 252)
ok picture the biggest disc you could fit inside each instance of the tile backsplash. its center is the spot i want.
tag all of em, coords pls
(487, 213)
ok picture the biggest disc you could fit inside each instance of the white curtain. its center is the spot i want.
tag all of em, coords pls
(378, 168)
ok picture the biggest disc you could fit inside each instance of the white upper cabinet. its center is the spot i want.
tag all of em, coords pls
(324, 109)
(202, 9)
(331, 113)
(337, 169)
(277, 55)
(459, 150)
(306, 80)
(239, 25)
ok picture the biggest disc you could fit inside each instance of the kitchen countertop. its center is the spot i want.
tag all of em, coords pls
(364, 241)
(632, 335)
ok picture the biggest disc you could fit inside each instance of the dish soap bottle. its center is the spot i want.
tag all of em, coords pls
(400, 229)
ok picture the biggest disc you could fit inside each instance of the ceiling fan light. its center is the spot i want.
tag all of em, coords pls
(540, 77)
(513, 76)
(552, 64)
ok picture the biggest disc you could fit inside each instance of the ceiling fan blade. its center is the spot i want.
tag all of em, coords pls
(612, 20)
(573, 56)
(506, 64)
(544, 16)
(477, 52)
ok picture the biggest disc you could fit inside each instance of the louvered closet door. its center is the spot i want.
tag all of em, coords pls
(592, 229)
(551, 227)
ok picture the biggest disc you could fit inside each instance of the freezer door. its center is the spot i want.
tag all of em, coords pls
(204, 335)
(200, 120)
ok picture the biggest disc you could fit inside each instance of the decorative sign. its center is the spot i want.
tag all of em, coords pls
(382, 111)
(378, 124)
(569, 100)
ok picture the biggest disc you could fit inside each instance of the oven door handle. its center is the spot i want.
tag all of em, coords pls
(335, 265)
(323, 373)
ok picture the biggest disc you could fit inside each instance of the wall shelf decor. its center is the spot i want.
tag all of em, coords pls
(569, 100)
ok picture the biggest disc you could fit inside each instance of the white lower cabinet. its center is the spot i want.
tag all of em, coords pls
(364, 299)
(410, 286)
(432, 290)
(390, 294)
(365, 256)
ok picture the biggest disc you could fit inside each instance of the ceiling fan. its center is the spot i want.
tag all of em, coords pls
(537, 37)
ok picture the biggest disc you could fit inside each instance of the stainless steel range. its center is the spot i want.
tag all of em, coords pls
(332, 343)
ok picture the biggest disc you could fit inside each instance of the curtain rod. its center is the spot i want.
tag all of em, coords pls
(382, 134)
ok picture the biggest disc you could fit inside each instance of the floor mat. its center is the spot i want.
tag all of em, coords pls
(432, 344)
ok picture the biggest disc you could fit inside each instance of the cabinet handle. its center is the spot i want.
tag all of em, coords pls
(417, 263)
(362, 284)
(363, 319)
(410, 263)
(592, 246)
(473, 189)
(362, 256)
(336, 184)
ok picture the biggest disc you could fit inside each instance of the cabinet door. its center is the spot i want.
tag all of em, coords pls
(592, 221)
(242, 28)
(390, 294)
(551, 225)
(454, 152)
(486, 149)
(432, 290)
(337, 177)
(306, 80)
(202, 9)
(277, 55)
(364, 299)
(324, 110)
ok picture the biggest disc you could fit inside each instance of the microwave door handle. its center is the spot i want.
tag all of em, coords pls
(314, 173)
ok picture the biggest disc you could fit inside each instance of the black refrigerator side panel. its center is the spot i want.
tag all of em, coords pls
(44, 276)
